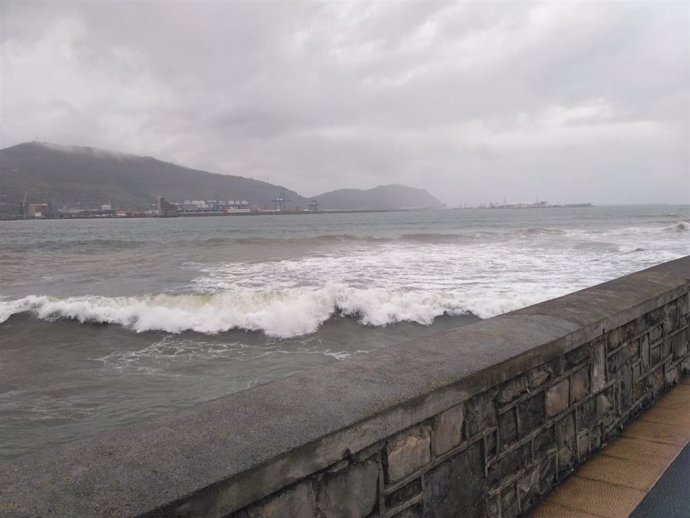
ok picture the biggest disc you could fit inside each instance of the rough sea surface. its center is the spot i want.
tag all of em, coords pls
(107, 322)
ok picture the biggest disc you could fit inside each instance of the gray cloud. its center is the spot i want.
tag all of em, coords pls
(473, 100)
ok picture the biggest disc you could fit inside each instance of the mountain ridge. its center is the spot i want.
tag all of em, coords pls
(87, 177)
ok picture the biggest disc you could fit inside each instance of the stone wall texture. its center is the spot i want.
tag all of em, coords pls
(481, 421)
(499, 452)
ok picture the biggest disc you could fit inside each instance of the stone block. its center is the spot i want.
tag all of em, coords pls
(637, 369)
(351, 493)
(671, 317)
(603, 405)
(288, 503)
(491, 444)
(665, 349)
(633, 351)
(644, 353)
(567, 444)
(509, 503)
(619, 359)
(447, 430)
(494, 505)
(679, 344)
(525, 454)
(577, 357)
(655, 353)
(557, 366)
(552, 369)
(404, 494)
(531, 412)
(507, 424)
(594, 440)
(598, 367)
(565, 431)
(626, 386)
(587, 415)
(512, 390)
(528, 488)
(629, 331)
(615, 339)
(579, 385)
(640, 325)
(654, 318)
(583, 445)
(538, 376)
(566, 461)
(658, 381)
(655, 333)
(606, 411)
(458, 483)
(640, 388)
(480, 413)
(414, 511)
(505, 466)
(547, 472)
(544, 441)
(557, 398)
(671, 374)
(407, 452)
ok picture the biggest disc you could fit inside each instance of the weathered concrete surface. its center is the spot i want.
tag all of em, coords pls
(224, 455)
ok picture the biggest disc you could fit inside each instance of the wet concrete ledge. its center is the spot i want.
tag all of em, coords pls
(393, 428)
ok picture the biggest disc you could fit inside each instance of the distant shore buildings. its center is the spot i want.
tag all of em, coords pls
(202, 207)
(162, 208)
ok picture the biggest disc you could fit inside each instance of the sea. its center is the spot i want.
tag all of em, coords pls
(106, 322)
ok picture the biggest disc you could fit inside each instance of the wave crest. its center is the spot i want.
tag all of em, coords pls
(282, 314)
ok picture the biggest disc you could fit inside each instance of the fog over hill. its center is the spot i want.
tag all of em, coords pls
(88, 177)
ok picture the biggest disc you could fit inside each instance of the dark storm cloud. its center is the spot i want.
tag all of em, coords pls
(472, 100)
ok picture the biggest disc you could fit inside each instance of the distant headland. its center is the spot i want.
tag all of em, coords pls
(41, 180)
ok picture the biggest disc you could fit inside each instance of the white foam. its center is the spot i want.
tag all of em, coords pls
(379, 284)
(286, 313)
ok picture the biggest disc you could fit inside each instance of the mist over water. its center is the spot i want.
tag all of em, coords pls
(106, 322)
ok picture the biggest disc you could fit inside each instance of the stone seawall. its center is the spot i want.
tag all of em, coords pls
(480, 421)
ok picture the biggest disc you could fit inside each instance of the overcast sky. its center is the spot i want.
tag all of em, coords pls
(473, 101)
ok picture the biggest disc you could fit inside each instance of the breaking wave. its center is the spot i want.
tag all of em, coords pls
(681, 226)
(281, 314)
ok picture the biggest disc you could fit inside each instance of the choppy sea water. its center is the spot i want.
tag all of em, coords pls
(107, 322)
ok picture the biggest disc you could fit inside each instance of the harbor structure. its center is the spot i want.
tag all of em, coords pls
(166, 209)
(38, 210)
